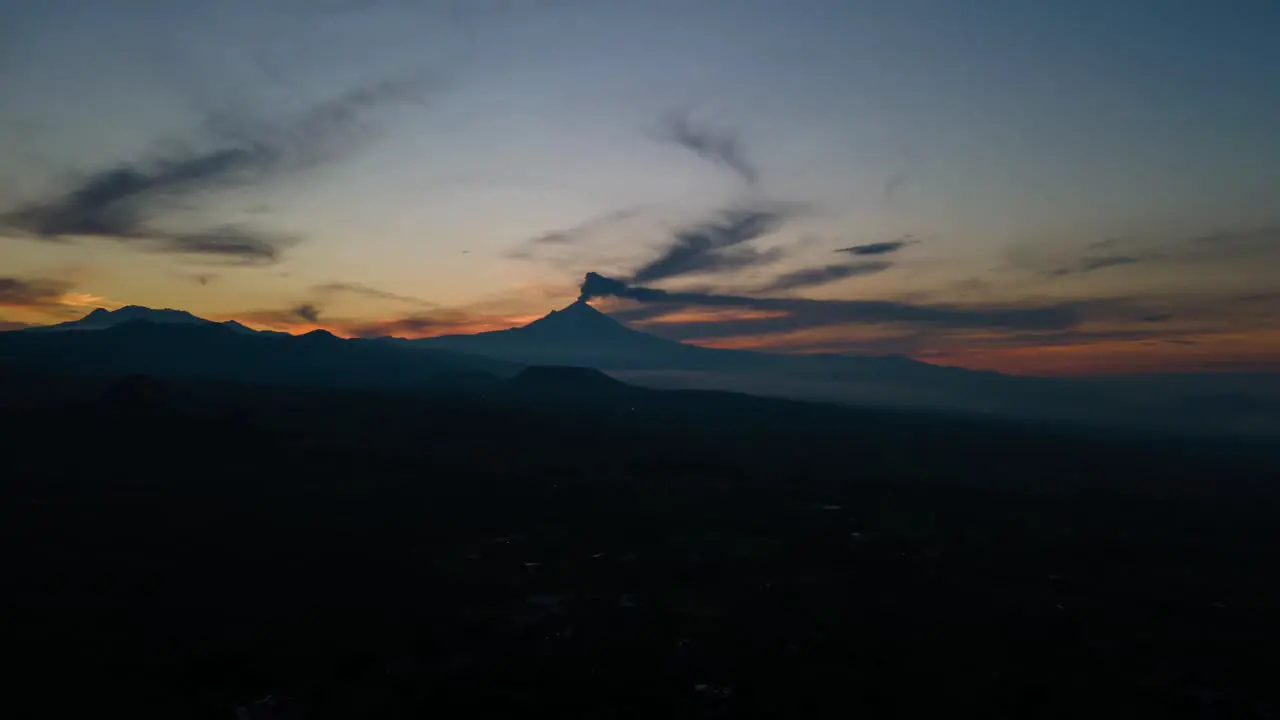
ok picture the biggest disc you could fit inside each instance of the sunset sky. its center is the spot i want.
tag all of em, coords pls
(1035, 187)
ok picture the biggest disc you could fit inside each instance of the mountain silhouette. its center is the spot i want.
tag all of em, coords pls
(561, 382)
(102, 319)
(180, 348)
(578, 335)
(575, 351)
(581, 336)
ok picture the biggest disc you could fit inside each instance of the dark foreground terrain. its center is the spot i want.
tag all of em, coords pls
(566, 546)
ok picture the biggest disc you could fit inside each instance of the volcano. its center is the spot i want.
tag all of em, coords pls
(577, 335)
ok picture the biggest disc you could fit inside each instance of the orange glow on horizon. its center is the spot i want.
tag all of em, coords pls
(712, 316)
(1206, 351)
(800, 342)
(1257, 351)
(409, 329)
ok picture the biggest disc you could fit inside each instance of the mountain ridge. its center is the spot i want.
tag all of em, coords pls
(174, 343)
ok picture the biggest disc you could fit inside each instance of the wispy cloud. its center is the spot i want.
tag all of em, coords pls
(715, 246)
(1090, 264)
(307, 311)
(32, 293)
(125, 203)
(411, 326)
(301, 316)
(1098, 263)
(202, 279)
(880, 248)
(306, 317)
(365, 291)
(572, 236)
(1251, 244)
(803, 312)
(813, 277)
(583, 231)
(48, 296)
(716, 145)
(226, 245)
(1258, 245)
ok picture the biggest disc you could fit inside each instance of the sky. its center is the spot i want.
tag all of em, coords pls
(1033, 187)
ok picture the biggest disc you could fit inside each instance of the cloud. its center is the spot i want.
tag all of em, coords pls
(812, 277)
(584, 230)
(407, 326)
(715, 145)
(1090, 264)
(880, 248)
(1257, 245)
(706, 248)
(302, 315)
(573, 235)
(1098, 263)
(308, 312)
(231, 245)
(35, 293)
(803, 312)
(7, 325)
(1267, 236)
(307, 317)
(365, 291)
(123, 203)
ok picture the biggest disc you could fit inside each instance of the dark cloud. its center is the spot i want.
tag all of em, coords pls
(1097, 263)
(706, 248)
(365, 291)
(7, 325)
(1156, 318)
(584, 230)
(307, 311)
(572, 236)
(1259, 246)
(715, 145)
(231, 245)
(880, 248)
(117, 202)
(812, 277)
(1089, 264)
(123, 203)
(803, 312)
(409, 325)
(1265, 236)
(1254, 244)
(31, 293)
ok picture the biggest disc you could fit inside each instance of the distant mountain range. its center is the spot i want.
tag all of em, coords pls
(174, 343)
(101, 319)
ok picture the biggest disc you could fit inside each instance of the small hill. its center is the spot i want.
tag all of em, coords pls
(566, 379)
